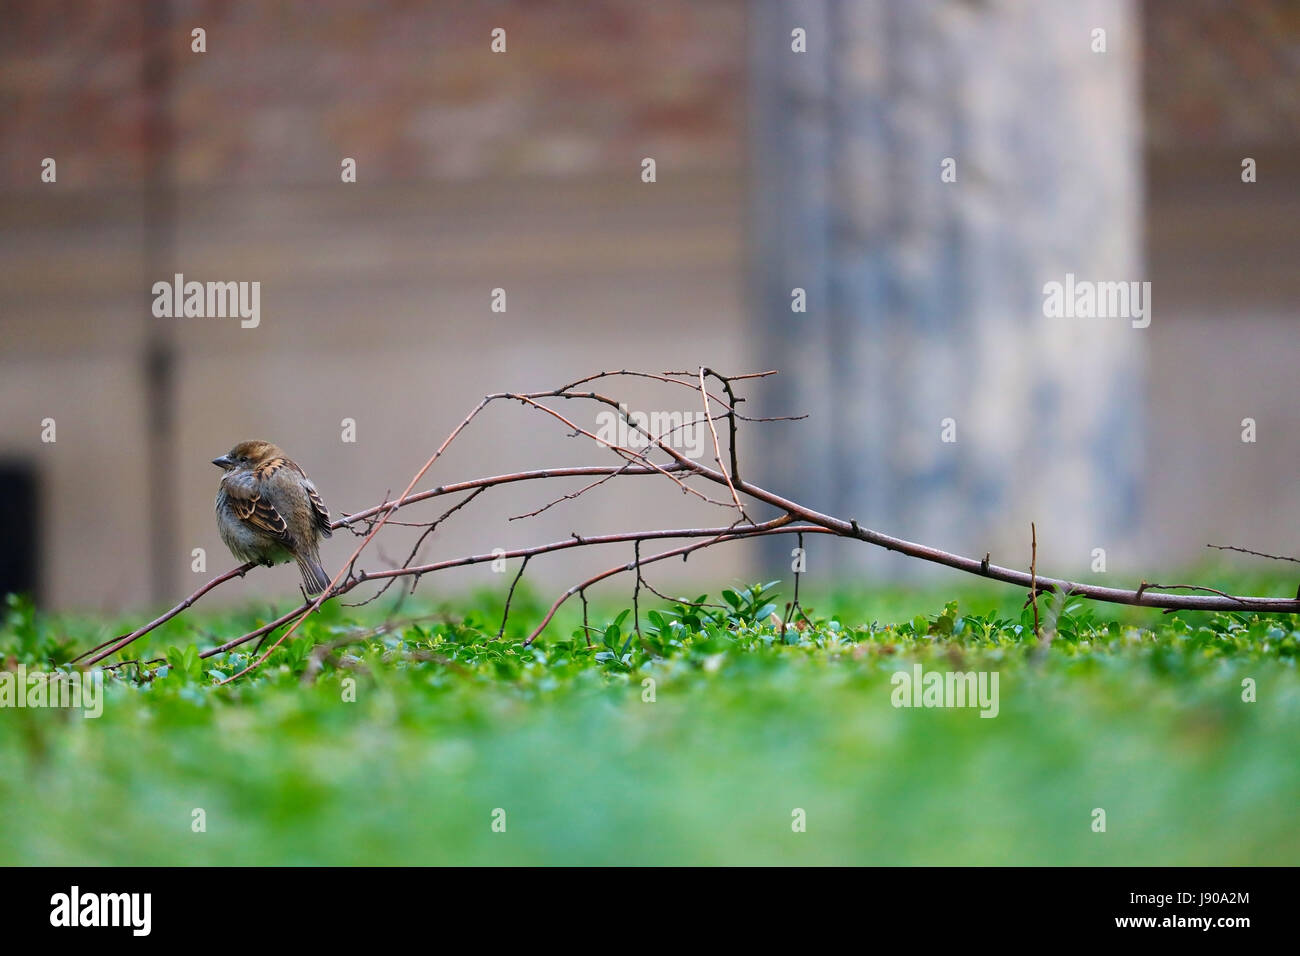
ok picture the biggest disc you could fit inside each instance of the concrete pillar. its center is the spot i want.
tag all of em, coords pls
(926, 298)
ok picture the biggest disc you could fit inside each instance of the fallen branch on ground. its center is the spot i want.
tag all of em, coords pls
(790, 518)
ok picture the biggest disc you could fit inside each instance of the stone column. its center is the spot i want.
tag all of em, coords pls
(925, 298)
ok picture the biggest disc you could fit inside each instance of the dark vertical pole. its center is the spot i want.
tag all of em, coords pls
(158, 362)
(20, 506)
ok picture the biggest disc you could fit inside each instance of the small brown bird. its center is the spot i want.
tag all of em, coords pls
(268, 511)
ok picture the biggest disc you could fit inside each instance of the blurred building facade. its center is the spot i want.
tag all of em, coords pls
(522, 171)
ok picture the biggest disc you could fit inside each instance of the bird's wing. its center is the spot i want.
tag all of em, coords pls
(320, 514)
(255, 510)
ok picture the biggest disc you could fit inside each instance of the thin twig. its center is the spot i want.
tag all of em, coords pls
(505, 615)
(1258, 554)
(717, 450)
(794, 605)
(1033, 573)
(636, 589)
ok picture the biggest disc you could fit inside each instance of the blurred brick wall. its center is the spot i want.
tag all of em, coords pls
(405, 87)
(70, 88)
(410, 90)
(1221, 72)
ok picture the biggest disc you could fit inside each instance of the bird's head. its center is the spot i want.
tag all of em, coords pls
(247, 454)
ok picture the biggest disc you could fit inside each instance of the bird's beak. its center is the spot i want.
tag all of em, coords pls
(222, 462)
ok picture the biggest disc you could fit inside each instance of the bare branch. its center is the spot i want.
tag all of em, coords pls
(792, 517)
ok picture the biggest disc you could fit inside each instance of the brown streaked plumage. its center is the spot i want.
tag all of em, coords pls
(268, 511)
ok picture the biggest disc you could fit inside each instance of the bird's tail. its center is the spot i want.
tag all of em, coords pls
(314, 578)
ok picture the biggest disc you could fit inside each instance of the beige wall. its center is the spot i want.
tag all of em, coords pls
(375, 306)
(1223, 258)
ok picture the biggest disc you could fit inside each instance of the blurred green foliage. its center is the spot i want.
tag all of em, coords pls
(397, 735)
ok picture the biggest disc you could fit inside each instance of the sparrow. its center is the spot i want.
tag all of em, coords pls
(268, 511)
